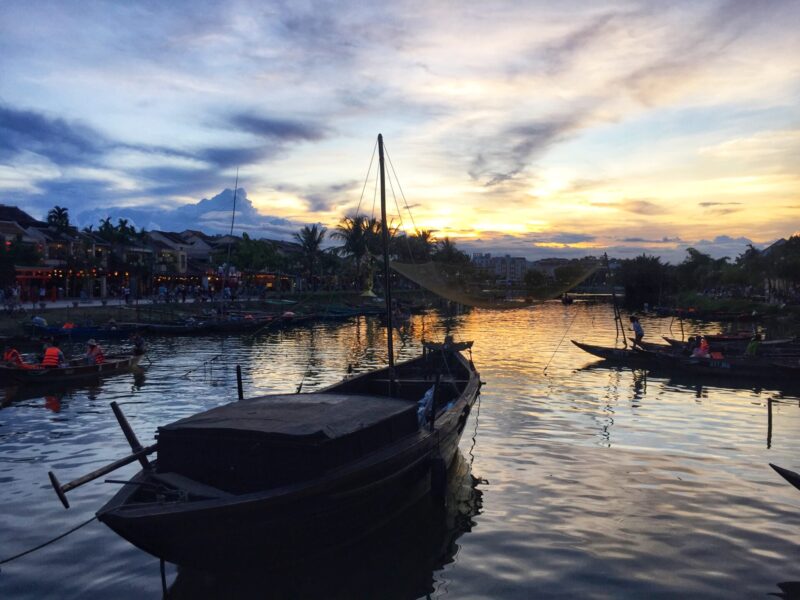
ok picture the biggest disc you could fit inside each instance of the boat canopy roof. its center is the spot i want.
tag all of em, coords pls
(312, 417)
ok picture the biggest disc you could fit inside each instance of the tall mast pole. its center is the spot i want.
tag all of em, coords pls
(386, 283)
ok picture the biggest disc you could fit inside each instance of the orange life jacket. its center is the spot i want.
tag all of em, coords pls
(12, 356)
(97, 355)
(51, 357)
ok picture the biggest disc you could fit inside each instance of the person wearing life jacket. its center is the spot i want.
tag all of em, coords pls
(12, 357)
(53, 356)
(94, 354)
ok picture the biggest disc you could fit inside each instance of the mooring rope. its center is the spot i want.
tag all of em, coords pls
(47, 543)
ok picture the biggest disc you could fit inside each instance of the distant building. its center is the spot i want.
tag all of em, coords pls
(510, 269)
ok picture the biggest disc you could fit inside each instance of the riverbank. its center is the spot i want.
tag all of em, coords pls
(147, 311)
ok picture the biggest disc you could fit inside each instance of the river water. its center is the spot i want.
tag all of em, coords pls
(573, 481)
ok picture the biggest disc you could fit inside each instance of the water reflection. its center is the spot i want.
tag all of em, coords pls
(399, 560)
(605, 482)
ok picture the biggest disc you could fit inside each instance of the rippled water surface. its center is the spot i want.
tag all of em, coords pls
(585, 481)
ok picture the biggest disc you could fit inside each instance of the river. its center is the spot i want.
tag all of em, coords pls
(573, 481)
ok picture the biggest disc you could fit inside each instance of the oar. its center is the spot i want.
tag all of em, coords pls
(139, 453)
(790, 476)
(61, 490)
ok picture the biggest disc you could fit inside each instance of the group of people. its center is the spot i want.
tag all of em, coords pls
(53, 357)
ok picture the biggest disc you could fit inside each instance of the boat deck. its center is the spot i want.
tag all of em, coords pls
(312, 416)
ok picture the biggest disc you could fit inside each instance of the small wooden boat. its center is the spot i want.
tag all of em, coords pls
(734, 345)
(74, 370)
(630, 356)
(716, 365)
(86, 332)
(790, 476)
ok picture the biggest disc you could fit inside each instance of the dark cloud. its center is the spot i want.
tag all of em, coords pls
(708, 204)
(562, 238)
(664, 240)
(178, 181)
(506, 155)
(280, 129)
(61, 141)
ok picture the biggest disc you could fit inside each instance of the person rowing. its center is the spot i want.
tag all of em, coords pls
(94, 353)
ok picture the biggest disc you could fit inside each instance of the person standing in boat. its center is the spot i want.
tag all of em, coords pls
(94, 353)
(753, 346)
(53, 356)
(138, 343)
(638, 331)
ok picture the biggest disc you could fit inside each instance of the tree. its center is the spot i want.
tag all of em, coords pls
(534, 278)
(645, 279)
(310, 239)
(447, 252)
(415, 248)
(360, 236)
(58, 217)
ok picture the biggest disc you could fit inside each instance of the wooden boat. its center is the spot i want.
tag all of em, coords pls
(295, 469)
(74, 370)
(734, 345)
(629, 356)
(790, 476)
(707, 315)
(717, 365)
(86, 332)
(274, 475)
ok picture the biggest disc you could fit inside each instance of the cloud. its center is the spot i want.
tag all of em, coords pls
(642, 207)
(60, 141)
(565, 238)
(508, 153)
(280, 129)
(709, 204)
(664, 240)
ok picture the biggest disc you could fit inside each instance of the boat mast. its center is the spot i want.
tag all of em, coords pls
(386, 284)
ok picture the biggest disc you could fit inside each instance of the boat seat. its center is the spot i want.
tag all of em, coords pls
(191, 486)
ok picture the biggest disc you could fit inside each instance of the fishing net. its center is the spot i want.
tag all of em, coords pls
(458, 283)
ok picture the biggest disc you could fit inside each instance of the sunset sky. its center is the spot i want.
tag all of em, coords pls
(530, 128)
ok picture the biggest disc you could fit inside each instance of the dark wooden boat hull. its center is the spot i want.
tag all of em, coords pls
(747, 368)
(70, 373)
(790, 476)
(281, 524)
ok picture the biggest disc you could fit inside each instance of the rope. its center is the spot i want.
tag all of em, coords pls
(47, 543)
(366, 179)
(544, 371)
(400, 187)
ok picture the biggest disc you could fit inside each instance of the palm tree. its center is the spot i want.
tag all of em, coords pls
(58, 217)
(310, 239)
